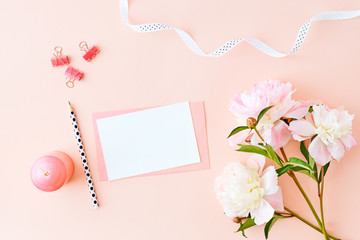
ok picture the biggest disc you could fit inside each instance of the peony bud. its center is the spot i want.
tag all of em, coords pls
(236, 220)
(251, 122)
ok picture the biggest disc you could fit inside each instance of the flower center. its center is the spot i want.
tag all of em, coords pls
(255, 192)
(329, 133)
(266, 122)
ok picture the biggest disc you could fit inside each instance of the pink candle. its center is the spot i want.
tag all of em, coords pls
(52, 171)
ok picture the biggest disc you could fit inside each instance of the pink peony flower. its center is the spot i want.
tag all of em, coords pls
(300, 109)
(332, 128)
(247, 189)
(269, 93)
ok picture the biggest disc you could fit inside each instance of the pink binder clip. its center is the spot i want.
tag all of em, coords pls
(89, 53)
(59, 59)
(72, 75)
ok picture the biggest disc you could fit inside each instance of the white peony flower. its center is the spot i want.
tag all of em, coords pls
(332, 128)
(247, 189)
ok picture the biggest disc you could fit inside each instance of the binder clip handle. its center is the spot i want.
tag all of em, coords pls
(58, 51)
(83, 46)
(70, 82)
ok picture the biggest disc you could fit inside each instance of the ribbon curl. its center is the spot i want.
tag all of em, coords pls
(227, 46)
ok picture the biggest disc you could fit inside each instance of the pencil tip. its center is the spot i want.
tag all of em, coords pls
(69, 102)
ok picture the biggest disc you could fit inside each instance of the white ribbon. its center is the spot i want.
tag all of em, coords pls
(263, 47)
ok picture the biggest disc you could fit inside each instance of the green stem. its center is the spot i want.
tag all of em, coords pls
(258, 134)
(321, 203)
(293, 176)
(308, 223)
(283, 153)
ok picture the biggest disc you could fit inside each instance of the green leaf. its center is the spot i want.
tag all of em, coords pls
(262, 113)
(279, 215)
(304, 171)
(282, 170)
(312, 163)
(242, 231)
(326, 167)
(314, 168)
(298, 165)
(238, 129)
(297, 162)
(247, 224)
(268, 226)
(325, 170)
(272, 154)
(253, 149)
(304, 150)
(309, 159)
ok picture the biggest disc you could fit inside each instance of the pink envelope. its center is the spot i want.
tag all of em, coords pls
(199, 121)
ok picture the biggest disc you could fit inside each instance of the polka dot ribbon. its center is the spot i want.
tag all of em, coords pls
(260, 45)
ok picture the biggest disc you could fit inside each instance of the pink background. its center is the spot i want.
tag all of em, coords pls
(137, 70)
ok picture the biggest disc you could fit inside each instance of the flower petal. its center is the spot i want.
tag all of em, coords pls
(256, 161)
(238, 138)
(276, 200)
(279, 110)
(300, 109)
(336, 149)
(231, 213)
(255, 139)
(263, 213)
(299, 138)
(349, 141)
(298, 113)
(280, 135)
(319, 151)
(302, 129)
(268, 181)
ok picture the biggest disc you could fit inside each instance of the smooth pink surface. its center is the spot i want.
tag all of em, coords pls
(199, 121)
(68, 162)
(73, 73)
(52, 171)
(91, 54)
(59, 61)
(135, 70)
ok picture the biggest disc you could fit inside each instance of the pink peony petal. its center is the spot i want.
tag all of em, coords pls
(349, 141)
(278, 111)
(302, 129)
(231, 213)
(269, 93)
(336, 149)
(266, 134)
(297, 113)
(299, 138)
(238, 138)
(319, 151)
(280, 135)
(269, 182)
(263, 213)
(276, 200)
(219, 184)
(255, 139)
(256, 161)
(300, 109)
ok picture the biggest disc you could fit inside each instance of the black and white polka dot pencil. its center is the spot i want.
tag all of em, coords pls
(83, 157)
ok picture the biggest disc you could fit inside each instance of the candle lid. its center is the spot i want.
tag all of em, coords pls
(48, 173)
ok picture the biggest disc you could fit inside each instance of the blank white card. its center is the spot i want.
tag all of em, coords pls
(148, 141)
